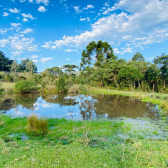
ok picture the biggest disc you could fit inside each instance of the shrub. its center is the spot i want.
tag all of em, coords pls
(37, 125)
(74, 89)
(82, 88)
(1, 90)
(61, 85)
(26, 86)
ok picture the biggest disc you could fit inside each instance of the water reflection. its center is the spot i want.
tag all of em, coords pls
(76, 106)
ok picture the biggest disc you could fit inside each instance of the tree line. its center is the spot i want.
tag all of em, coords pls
(100, 67)
(8, 65)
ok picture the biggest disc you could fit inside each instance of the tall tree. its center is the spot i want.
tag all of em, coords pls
(5, 63)
(31, 67)
(138, 57)
(97, 53)
(23, 64)
(152, 75)
(162, 63)
(70, 68)
(14, 67)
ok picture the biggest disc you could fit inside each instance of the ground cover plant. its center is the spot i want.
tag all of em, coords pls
(111, 143)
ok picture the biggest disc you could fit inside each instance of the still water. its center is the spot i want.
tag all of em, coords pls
(77, 106)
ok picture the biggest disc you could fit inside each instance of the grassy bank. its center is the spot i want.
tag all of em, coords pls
(99, 143)
(155, 98)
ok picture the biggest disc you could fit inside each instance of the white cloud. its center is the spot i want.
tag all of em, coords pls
(34, 56)
(15, 53)
(46, 59)
(88, 7)
(2, 31)
(25, 20)
(145, 22)
(70, 50)
(4, 42)
(45, 2)
(68, 59)
(77, 9)
(42, 9)
(15, 10)
(29, 16)
(31, 1)
(22, 1)
(85, 19)
(18, 17)
(15, 24)
(28, 30)
(5, 14)
(35, 61)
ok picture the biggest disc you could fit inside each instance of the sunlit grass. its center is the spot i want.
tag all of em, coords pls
(58, 149)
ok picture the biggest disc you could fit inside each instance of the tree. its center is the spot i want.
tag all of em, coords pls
(100, 75)
(23, 64)
(56, 71)
(152, 75)
(129, 75)
(138, 57)
(162, 63)
(113, 68)
(14, 67)
(61, 84)
(97, 53)
(31, 67)
(69, 68)
(5, 63)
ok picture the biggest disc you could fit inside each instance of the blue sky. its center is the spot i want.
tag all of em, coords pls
(54, 32)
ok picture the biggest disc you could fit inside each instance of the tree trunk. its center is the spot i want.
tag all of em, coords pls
(153, 87)
(134, 84)
(164, 82)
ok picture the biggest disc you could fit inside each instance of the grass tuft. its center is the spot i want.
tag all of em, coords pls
(37, 125)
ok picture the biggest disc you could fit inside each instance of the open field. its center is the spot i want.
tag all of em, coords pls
(67, 145)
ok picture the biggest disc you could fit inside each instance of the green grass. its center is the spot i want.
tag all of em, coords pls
(7, 85)
(60, 149)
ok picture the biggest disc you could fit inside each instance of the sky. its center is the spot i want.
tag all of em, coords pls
(55, 32)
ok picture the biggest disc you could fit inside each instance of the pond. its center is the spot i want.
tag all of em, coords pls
(77, 106)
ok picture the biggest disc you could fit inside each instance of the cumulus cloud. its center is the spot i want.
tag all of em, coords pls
(25, 20)
(46, 59)
(145, 23)
(88, 7)
(68, 59)
(15, 24)
(77, 9)
(4, 42)
(5, 14)
(29, 16)
(15, 10)
(26, 31)
(42, 9)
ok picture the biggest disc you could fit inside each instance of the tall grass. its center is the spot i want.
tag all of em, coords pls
(37, 125)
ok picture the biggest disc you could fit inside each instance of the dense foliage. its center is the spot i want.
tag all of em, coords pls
(26, 86)
(99, 67)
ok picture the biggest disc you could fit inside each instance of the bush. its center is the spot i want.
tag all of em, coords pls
(1, 90)
(26, 86)
(61, 85)
(37, 125)
(74, 89)
(82, 88)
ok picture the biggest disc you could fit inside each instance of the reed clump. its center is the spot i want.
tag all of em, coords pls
(37, 125)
